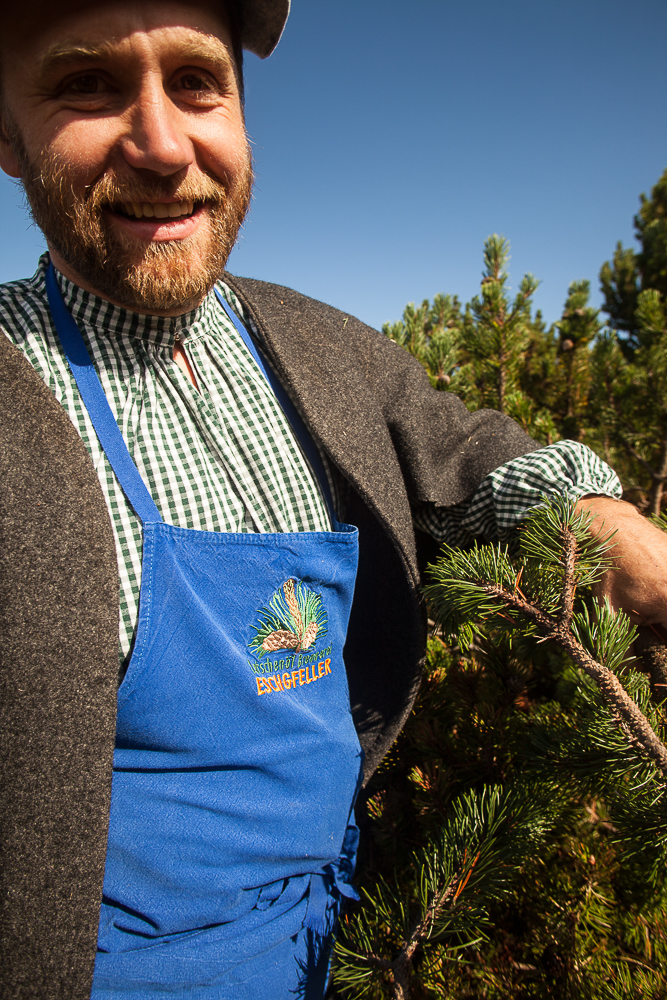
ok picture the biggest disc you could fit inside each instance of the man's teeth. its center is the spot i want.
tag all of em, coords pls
(158, 210)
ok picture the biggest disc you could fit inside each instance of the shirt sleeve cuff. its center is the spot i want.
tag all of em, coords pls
(501, 502)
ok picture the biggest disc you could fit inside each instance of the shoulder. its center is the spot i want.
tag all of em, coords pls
(24, 310)
(278, 302)
(271, 295)
(321, 327)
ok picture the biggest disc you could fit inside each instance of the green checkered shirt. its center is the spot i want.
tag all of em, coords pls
(223, 457)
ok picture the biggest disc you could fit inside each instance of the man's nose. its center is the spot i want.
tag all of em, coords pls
(157, 138)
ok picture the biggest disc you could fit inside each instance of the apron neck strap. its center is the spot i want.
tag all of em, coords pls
(301, 433)
(95, 401)
(107, 429)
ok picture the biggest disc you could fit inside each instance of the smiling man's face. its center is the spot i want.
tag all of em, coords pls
(125, 124)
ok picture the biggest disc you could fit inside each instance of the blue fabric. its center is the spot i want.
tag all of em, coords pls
(223, 745)
(97, 405)
(290, 411)
(231, 842)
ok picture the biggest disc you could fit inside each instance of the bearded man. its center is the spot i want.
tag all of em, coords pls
(222, 479)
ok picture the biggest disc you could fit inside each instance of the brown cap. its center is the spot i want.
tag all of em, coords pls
(262, 24)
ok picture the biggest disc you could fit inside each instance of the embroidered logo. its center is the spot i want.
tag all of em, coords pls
(293, 619)
(291, 627)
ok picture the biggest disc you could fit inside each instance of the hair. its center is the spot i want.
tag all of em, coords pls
(234, 11)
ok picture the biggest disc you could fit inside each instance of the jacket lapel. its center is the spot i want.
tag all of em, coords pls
(312, 347)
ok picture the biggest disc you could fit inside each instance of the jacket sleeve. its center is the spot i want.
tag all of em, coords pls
(501, 502)
(371, 406)
(444, 450)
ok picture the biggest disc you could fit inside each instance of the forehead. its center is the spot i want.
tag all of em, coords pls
(42, 29)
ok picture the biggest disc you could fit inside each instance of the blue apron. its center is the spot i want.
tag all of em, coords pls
(237, 764)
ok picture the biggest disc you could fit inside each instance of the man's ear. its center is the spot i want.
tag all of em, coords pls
(8, 161)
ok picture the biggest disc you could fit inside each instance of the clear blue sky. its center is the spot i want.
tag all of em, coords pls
(392, 136)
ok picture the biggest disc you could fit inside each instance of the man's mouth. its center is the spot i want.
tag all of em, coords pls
(155, 210)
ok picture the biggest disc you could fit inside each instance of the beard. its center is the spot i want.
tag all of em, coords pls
(158, 276)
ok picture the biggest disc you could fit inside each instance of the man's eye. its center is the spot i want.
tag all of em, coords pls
(197, 87)
(86, 85)
(192, 81)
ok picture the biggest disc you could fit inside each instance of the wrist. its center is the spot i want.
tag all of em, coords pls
(609, 513)
(599, 502)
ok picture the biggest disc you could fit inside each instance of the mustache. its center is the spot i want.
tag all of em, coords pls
(111, 192)
(155, 277)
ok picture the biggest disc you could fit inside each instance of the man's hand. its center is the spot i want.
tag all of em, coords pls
(637, 582)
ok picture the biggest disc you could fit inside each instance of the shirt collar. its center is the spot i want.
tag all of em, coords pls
(103, 318)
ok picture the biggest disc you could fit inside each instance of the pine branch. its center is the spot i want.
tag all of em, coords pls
(569, 582)
(610, 687)
(482, 586)
(421, 930)
(401, 967)
(559, 630)
(481, 847)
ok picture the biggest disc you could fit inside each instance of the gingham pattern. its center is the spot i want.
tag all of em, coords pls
(221, 459)
(225, 458)
(510, 491)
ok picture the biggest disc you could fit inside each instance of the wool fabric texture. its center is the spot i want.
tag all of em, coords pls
(394, 440)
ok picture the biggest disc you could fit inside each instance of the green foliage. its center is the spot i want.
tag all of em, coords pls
(631, 273)
(632, 399)
(604, 386)
(651, 226)
(460, 594)
(473, 860)
(604, 634)
(541, 539)
(432, 334)
(578, 328)
(497, 331)
(517, 835)
(619, 281)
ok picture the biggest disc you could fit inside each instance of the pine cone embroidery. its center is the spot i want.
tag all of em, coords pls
(310, 635)
(293, 605)
(293, 619)
(280, 640)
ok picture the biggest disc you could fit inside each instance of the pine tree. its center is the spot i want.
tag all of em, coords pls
(496, 332)
(578, 328)
(431, 333)
(494, 353)
(629, 364)
(631, 273)
(631, 399)
(620, 283)
(518, 833)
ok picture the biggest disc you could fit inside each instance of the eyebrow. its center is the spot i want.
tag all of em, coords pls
(75, 52)
(207, 46)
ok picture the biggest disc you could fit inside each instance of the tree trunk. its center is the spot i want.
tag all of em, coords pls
(502, 374)
(658, 483)
(401, 987)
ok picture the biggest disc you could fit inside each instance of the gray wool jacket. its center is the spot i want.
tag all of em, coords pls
(394, 439)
